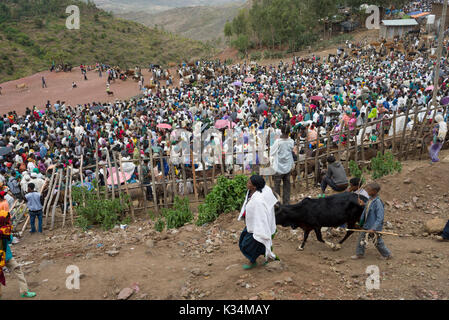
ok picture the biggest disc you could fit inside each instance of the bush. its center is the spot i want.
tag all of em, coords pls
(256, 56)
(160, 225)
(105, 212)
(383, 165)
(356, 172)
(226, 196)
(179, 215)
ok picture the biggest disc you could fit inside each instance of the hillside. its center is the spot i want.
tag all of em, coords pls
(199, 23)
(155, 6)
(205, 262)
(33, 34)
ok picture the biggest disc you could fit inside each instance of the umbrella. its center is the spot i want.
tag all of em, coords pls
(250, 80)
(339, 82)
(358, 79)
(5, 150)
(444, 101)
(220, 124)
(317, 98)
(87, 185)
(333, 113)
(113, 176)
(164, 126)
(237, 84)
(429, 88)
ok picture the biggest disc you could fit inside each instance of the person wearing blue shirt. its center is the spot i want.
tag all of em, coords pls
(372, 220)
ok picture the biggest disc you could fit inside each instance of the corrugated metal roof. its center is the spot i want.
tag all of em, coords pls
(400, 22)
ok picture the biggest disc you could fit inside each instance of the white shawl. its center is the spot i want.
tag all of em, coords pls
(260, 218)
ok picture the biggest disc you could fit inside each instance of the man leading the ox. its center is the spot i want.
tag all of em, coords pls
(335, 177)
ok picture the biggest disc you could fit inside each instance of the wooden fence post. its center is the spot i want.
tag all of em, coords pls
(109, 172)
(114, 158)
(65, 196)
(155, 200)
(53, 212)
(70, 195)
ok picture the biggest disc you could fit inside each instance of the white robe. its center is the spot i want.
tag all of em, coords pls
(260, 218)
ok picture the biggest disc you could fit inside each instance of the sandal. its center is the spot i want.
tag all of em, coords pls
(28, 294)
(249, 266)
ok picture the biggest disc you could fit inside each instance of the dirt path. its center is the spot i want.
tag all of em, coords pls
(205, 262)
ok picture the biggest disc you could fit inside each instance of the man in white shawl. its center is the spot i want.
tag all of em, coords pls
(258, 211)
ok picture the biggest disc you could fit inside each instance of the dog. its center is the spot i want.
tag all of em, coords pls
(110, 93)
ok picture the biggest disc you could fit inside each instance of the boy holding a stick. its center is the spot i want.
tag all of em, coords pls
(372, 220)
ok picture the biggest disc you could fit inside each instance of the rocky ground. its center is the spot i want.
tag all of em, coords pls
(205, 262)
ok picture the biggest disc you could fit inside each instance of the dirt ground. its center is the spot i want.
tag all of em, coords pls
(205, 262)
(60, 88)
(94, 89)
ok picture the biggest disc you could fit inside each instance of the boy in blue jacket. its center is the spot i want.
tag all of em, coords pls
(372, 220)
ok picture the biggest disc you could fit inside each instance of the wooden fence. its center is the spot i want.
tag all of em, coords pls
(403, 144)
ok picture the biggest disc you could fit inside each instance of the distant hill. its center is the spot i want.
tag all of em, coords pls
(33, 34)
(155, 6)
(199, 23)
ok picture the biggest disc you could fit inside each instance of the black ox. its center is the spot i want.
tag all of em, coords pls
(313, 214)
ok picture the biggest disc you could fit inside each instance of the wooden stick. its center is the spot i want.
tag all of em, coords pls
(402, 146)
(363, 140)
(53, 212)
(141, 178)
(126, 187)
(394, 133)
(110, 174)
(97, 176)
(382, 137)
(105, 178)
(65, 196)
(51, 197)
(114, 158)
(70, 195)
(195, 188)
(50, 186)
(155, 200)
(379, 232)
(164, 184)
(82, 180)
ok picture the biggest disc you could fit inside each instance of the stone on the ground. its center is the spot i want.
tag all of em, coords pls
(125, 294)
(435, 226)
(407, 181)
(275, 266)
(149, 243)
(112, 253)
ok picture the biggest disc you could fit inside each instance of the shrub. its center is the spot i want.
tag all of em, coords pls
(356, 172)
(256, 56)
(179, 215)
(105, 212)
(383, 165)
(226, 196)
(160, 225)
